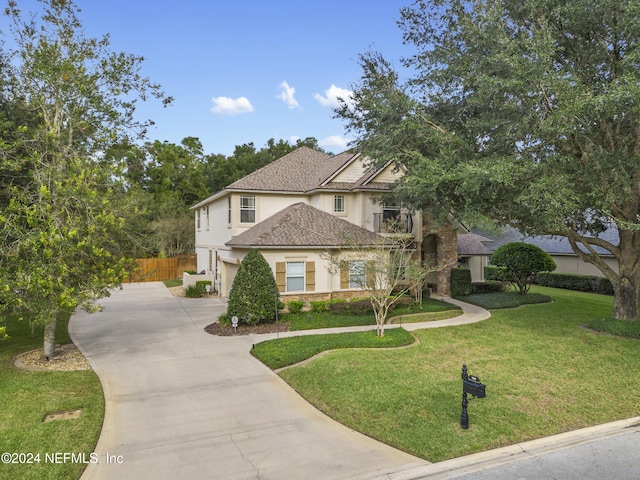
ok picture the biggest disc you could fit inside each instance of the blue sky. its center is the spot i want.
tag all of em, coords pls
(246, 71)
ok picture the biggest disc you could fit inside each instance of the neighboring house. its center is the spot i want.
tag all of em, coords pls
(558, 248)
(473, 254)
(299, 207)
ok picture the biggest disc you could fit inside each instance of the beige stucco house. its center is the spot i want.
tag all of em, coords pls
(299, 207)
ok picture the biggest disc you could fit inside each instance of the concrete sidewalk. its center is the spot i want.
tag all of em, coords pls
(181, 403)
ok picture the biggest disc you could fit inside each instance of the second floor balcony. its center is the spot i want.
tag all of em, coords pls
(393, 222)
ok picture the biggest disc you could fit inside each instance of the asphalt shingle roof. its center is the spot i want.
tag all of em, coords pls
(298, 171)
(471, 244)
(301, 225)
(548, 243)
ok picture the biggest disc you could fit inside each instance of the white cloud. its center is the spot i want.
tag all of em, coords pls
(230, 106)
(338, 141)
(288, 95)
(332, 95)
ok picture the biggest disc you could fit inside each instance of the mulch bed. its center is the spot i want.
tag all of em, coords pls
(227, 330)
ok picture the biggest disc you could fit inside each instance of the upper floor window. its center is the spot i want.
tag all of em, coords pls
(207, 214)
(338, 203)
(229, 210)
(248, 209)
(198, 219)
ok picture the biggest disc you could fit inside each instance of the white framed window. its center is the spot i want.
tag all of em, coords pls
(356, 274)
(247, 209)
(295, 277)
(229, 210)
(207, 214)
(338, 203)
(198, 219)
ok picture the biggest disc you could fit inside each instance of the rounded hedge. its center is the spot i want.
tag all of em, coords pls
(522, 262)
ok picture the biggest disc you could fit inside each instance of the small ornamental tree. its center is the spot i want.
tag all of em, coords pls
(254, 294)
(522, 262)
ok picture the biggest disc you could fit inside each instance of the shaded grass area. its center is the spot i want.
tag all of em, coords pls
(177, 282)
(499, 300)
(289, 351)
(26, 397)
(544, 375)
(431, 309)
(622, 328)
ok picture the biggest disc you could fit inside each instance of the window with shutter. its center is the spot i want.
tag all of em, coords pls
(310, 276)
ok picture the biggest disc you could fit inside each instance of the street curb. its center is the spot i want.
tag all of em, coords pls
(480, 461)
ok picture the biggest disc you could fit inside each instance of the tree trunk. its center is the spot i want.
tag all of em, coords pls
(626, 286)
(50, 337)
(627, 295)
(380, 318)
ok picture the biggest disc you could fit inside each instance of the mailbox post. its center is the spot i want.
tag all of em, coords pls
(470, 385)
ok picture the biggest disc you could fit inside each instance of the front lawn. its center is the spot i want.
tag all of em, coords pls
(26, 397)
(545, 374)
(289, 351)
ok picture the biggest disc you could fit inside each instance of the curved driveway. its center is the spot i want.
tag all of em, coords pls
(181, 403)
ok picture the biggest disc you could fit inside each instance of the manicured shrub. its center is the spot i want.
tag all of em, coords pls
(497, 274)
(487, 287)
(254, 293)
(523, 262)
(319, 306)
(354, 307)
(202, 285)
(192, 291)
(460, 282)
(295, 306)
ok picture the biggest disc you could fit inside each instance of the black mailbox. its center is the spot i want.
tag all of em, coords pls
(473, 387)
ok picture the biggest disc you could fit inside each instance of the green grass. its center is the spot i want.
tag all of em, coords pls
(27, 396)
(622, 328)
(499, 300)
(431, 309)
(173, 283)
(288, 351)
(544, 373)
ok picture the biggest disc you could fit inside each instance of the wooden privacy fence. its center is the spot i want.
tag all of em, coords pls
(157, 269)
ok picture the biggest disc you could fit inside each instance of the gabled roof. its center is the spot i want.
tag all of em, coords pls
(303, 226)
(472, 244)
(302, 171)
(298, 171)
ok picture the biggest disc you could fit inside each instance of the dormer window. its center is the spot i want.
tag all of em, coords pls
(338, 203)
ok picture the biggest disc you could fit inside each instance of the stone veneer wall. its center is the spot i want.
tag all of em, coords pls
(308, 297)
(447, 242)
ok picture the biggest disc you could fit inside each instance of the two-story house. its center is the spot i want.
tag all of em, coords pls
(299, 207)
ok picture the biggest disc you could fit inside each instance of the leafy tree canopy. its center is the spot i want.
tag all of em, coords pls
(525, 113)
(67, 98)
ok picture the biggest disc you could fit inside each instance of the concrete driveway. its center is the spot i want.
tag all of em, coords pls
(181, 403)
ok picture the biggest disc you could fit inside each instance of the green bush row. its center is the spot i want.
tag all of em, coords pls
(567, 281)
(581, 283)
